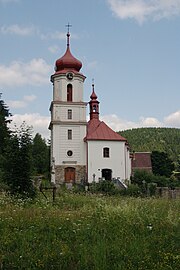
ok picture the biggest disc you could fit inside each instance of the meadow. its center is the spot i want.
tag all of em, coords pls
(85, 231)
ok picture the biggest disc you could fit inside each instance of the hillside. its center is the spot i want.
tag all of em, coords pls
(154, 139)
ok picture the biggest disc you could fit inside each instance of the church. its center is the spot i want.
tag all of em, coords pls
(82, 151)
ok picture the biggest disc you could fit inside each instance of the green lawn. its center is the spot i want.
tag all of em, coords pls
(89, 232)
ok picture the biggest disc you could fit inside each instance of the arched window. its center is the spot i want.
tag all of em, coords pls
(106, 152)
(69, 92)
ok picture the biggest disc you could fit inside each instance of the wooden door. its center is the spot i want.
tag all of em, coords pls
(70, 175)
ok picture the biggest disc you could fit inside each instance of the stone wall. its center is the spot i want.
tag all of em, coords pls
(80, 173)
(165, 192)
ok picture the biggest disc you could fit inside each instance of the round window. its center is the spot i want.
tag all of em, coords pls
(69, 153)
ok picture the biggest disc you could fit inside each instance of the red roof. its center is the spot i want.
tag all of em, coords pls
(98, 130)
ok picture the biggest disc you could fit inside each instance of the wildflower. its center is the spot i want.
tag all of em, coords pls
(149, 227)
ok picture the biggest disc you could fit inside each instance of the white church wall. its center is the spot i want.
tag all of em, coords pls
(128, 163)
(57, 90)
(60, 112)
(60, 89)
(78, 94)
(96, 161)
(61, 144)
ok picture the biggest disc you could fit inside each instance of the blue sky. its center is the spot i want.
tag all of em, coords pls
(130, 48)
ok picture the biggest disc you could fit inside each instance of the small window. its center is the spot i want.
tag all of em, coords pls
(106, 152)
(69, 92)
(69, 114)
(69, 134)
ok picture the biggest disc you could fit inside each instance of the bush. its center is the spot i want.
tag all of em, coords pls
(132, 190)
(104, 186)
(143, 179)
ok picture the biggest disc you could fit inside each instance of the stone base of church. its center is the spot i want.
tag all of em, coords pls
(80, 173)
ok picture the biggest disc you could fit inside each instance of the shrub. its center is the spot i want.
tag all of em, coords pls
(132, 190)
(104, 186)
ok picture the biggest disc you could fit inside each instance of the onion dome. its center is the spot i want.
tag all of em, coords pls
(93, 95)
(68, 61)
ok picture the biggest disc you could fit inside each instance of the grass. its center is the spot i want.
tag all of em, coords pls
(89, 232)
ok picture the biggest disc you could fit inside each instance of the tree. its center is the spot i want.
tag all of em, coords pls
(40, 154)
(18, 162)
(4, 132)
(161, 164)
(4, 120)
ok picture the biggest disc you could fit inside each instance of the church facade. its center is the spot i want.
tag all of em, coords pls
(81, 150)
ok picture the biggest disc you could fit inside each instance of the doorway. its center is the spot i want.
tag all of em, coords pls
(107, 174)
(69, 175)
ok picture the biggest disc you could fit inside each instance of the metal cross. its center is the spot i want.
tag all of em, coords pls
(68, 26)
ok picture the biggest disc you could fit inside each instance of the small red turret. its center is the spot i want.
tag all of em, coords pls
(94, 105)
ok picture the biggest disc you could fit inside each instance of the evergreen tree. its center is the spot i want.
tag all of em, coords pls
(4, 132)
(40, 154)
(161, 164)
(18, 163)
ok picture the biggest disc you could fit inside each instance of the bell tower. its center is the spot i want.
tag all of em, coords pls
(94, 105)
(68, 120)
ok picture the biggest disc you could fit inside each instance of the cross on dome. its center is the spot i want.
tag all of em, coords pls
(68, 26)
(68, 34)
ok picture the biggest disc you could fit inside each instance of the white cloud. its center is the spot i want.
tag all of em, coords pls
(92, 65)
(16, 104)
(141, 10)
(57, 35)
(173, 119)
(54, 49)
(150, 122)
(38, 122)
(30, 98)
(116, 123)
(36, 72)
(53, 35)
(18, 30)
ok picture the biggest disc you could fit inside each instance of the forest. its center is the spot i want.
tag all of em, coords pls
(22, 156)
(154, 139)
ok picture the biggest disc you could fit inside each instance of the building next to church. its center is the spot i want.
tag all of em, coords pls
(81, 150)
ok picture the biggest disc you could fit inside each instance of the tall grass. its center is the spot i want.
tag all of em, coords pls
(89, 232)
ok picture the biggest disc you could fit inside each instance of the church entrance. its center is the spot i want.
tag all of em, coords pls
(69, 175)
(107, 174)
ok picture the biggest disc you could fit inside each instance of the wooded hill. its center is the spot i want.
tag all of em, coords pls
(154, 139)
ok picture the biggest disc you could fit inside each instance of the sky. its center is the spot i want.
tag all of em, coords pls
(131, 48)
